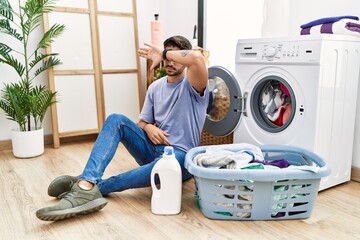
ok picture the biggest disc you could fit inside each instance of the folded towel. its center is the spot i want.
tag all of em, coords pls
(355, 27)
(327, 20)
(343, 26)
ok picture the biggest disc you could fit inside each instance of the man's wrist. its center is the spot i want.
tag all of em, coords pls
(146, 125)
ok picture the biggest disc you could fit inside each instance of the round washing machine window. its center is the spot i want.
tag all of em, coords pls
(224, 109)
(273, 104)
(220, 96)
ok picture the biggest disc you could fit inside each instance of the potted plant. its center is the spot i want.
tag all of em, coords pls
(23, 101)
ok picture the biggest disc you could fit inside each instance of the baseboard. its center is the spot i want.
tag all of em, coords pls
(5, 145)
(355, 174)
(48, 140)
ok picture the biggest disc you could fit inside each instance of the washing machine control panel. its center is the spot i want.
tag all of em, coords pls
(280, 52)
(270, 51)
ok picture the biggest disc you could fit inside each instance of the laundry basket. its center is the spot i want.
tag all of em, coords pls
(258, 194)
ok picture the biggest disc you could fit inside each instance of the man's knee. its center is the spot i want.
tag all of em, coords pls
(114, 117)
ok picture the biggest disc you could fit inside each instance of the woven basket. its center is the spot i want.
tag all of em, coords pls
(209, 139)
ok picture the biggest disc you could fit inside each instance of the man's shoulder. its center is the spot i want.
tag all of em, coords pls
(156, 83)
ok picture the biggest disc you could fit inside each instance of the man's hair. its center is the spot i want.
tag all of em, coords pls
(178, 41)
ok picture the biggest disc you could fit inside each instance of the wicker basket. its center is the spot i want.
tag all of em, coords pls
(209, 139)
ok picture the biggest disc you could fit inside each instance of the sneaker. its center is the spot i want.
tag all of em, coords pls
(77, 202)
(61, 185)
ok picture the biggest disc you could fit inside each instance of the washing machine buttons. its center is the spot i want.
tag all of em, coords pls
(269, 52)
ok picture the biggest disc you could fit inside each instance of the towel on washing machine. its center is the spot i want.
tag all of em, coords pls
(327, 20)
(343, 26)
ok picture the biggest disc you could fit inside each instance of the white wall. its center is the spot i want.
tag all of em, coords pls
(280, 18)
(275, 24)
(226, 23)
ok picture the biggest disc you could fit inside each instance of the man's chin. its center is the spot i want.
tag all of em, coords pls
(171, 73)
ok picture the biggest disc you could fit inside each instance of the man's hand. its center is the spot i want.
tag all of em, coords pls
(152, 52)
(156, 135)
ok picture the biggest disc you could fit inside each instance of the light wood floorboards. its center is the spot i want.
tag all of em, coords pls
(23, 189)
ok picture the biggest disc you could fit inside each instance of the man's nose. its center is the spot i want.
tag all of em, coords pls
(170, 63)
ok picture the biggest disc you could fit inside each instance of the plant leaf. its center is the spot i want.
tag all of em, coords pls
(14, 102)
(7, 29)
(36, 7)
(49, 63)
(4, 50)
(40, 57)
(13, 62)
(6, 10)
(40, 98)
(33, 10)
(52, 33)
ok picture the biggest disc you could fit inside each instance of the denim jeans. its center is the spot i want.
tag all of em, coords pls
(118, 128)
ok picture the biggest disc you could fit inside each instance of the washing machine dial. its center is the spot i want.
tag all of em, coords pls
(269, 52)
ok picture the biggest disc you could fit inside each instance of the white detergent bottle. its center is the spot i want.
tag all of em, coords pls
(166, 197)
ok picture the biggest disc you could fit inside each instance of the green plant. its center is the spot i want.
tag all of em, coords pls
(22, 101)
(160, 72)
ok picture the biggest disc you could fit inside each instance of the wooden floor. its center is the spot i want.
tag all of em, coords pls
(23, 189)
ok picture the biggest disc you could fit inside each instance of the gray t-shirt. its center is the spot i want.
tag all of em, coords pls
(177, 109)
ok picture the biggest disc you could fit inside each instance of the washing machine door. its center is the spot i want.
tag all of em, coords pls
(225, 102)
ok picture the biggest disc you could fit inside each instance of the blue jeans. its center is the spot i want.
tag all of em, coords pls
(118, 128)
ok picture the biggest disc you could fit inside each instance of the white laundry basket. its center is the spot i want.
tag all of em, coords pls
(261, 194)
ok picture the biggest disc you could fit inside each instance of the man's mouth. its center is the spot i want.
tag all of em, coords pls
(170, 68)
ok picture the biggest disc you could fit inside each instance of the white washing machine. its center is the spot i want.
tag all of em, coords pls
(294, 91)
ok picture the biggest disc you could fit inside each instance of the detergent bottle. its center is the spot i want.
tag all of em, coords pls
(166, 196)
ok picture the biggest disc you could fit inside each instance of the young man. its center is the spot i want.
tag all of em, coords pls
(173, 114)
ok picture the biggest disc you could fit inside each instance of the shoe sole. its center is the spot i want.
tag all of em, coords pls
(84, 209)
(61, 182)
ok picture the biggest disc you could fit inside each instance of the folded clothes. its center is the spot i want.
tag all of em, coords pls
(343, 26)
(327, 20)
(353, 26)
